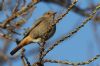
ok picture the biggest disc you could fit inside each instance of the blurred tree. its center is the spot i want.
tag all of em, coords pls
(15, 18)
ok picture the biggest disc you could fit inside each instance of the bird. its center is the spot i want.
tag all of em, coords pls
(37, 32)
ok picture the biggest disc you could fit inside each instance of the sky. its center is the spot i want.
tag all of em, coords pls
(81, 46)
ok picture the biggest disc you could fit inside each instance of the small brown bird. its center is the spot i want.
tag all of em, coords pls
(37, 32)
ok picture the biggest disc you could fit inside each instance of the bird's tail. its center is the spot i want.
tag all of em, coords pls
(24, 42)
(15, 50)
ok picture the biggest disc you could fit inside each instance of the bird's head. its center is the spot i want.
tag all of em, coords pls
(49, 14)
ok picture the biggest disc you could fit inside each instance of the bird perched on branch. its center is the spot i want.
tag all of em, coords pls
(37, 32)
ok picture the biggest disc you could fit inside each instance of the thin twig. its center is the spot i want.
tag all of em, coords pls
(24, 59)
(16, 7)
(73, 63)
(17, 14)
(61, 16)
(42, 48)
(72, 32)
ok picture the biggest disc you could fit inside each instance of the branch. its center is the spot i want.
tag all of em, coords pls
(23, 57)
(73, 63)
(17, 14)
(72, 32)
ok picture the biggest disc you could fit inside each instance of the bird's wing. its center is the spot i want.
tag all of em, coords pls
(34, 25)
(38, 22)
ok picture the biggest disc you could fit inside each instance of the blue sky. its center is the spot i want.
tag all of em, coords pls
(81, 46)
